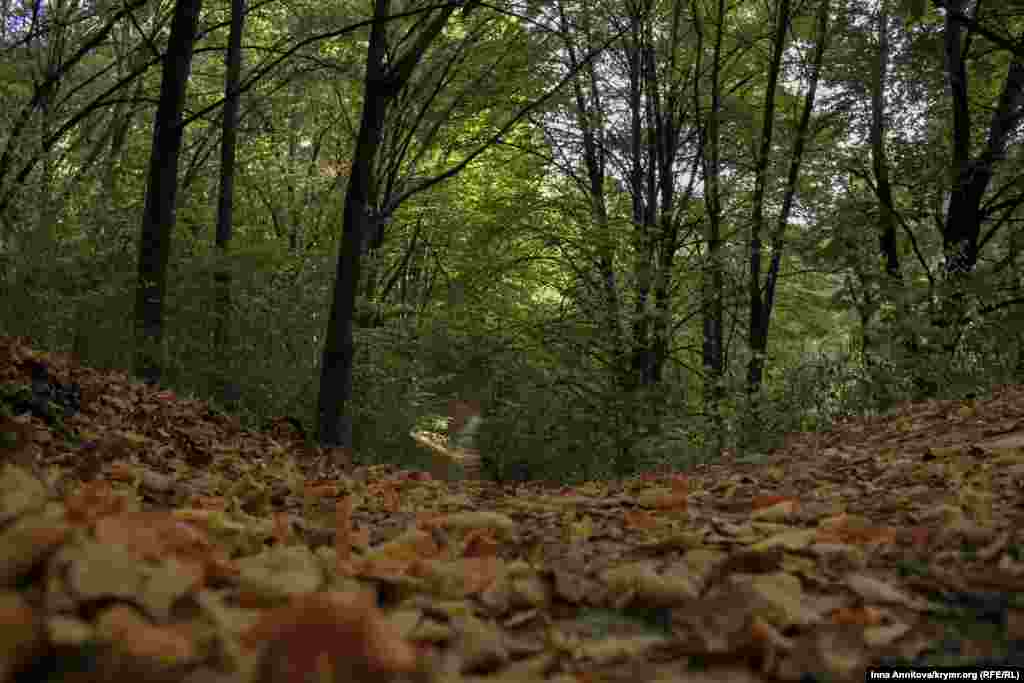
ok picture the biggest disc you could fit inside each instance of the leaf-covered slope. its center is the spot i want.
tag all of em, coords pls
(145, 537)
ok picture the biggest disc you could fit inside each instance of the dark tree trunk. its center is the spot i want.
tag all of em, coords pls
(382, 84)
(970, 176)
(161, 191)
(880, 164)
(760, 325)
(227, 386)
(590, 118)
(669, 117)
(712, 279)
(758, 331)
(644, 208)
(336, 420)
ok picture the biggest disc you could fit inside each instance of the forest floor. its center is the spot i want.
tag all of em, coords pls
(144, 536)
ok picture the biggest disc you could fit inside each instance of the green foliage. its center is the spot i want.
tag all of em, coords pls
(537, 437)
(391, 392)
(487, 286)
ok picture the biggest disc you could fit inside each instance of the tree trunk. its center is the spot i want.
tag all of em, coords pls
(161, 191)
(712, 285)
(879, 162)
(669, 119)
(644, 201)
(970, 177)
(227, 387)
(590, 119)
(382, 84)
(758, 332)
(336, 423)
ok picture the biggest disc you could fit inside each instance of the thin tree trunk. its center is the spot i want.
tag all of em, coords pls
(590, 119)
(227, 386)
(669, 118)
(879, 161)
(712, 287)
(764, 297)
(758, 331)
(644, 202)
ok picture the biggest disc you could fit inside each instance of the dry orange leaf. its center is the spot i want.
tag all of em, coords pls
(121, 471)
(858, 535)
(340, 634)
(429, 520)
(481, 543)
(92, 501)
(322, 490)
(479, 572)
(138, 637)
(212, 503)
(361, 537)
(282, 527)
(639, 519)
(674, 501)
(857, 616)
(160, 535)
(767, 501)
(389, 494)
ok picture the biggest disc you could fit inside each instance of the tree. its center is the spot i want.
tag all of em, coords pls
(229, 391)
(879, 161)
(15, 165)
(971, 174)
(981, 67)
(713, 284)
(383, 82)
(762, 296)
(374, 195)
(161, 192)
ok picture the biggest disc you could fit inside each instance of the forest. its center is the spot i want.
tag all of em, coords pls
(634, 232)
(421, 341)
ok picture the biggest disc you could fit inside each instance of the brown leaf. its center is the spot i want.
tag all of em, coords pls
(342, 635)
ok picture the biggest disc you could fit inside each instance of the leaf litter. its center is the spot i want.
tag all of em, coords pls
(144, 536)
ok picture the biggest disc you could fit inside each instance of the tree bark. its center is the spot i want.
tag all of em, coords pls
(971, 177)
(382, 84)
(712, 285)
(758, 332)
(590, 119)
(879, 161)
(161, 192)
(227, 386)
